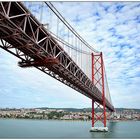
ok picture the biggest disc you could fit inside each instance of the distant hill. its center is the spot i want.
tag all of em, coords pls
(66, 109)
(127, 109)
(89, 109)
(77, 109)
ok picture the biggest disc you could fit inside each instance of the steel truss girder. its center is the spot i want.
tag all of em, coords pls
(26, 58)
(36, 43)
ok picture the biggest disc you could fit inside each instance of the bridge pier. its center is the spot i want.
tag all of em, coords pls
(99, 129)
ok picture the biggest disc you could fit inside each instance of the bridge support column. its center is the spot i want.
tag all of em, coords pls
(98, 109)
(92, 113)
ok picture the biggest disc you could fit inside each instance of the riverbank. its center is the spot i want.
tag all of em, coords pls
(65, 120)
(64, 114)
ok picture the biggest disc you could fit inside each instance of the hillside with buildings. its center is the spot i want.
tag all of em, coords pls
(66, 113)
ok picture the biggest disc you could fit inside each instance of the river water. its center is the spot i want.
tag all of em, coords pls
(21, 128)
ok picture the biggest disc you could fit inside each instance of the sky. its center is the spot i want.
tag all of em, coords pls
(110, 27)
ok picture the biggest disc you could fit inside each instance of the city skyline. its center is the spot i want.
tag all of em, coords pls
(109, 26)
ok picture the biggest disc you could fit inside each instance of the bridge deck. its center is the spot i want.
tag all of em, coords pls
(32, 43)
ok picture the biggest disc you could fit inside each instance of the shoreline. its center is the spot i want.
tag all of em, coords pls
(66, 120)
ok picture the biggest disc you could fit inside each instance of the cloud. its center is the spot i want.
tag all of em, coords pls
(32, 88)
(110, 27)
(113, 27)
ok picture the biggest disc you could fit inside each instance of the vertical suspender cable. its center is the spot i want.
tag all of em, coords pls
(56, 27)
(41, 14)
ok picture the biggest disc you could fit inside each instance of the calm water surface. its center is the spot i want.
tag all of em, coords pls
(14, 128)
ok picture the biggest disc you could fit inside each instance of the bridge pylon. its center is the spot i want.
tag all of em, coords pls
(98, 109)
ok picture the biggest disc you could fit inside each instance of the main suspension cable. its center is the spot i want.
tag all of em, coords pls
(57, 13)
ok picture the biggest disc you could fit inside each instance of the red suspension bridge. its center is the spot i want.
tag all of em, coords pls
(39, 35)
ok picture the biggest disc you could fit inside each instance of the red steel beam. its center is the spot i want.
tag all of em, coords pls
(103, 90)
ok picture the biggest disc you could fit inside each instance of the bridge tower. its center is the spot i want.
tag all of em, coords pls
(98, 80)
